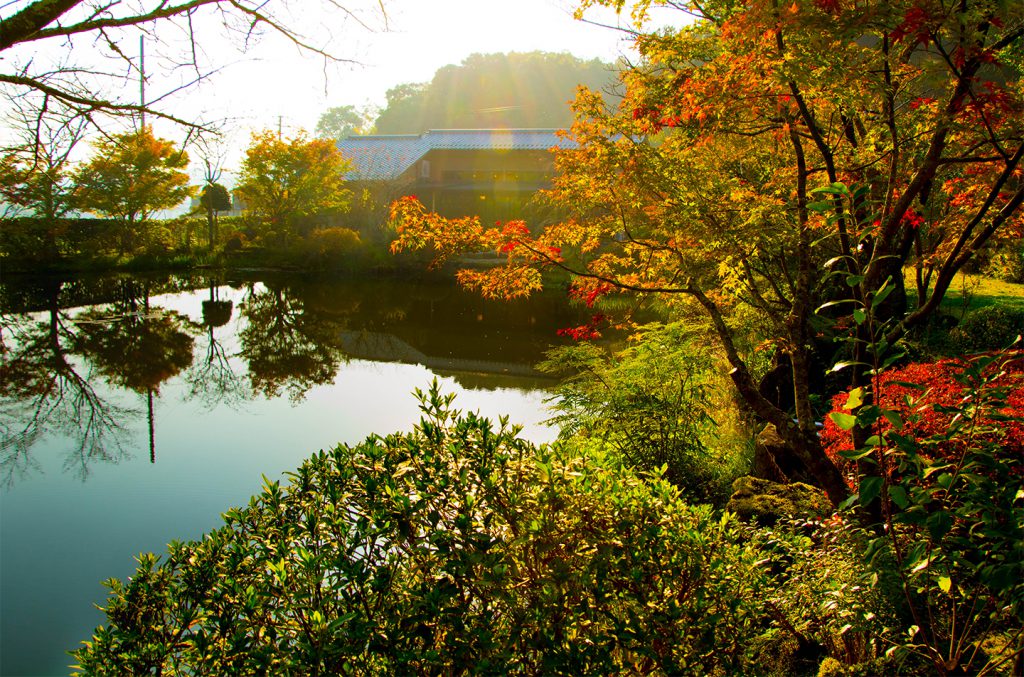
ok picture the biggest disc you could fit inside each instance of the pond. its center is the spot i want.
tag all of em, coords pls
(136, 410)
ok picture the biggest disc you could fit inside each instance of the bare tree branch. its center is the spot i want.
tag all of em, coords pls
(34, 22)
(86, 104)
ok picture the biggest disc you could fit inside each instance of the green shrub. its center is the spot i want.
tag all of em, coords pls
(455, 547)
(946, 474)
(271, 238)
(329, 247)
(28, 240)
(932, 337)
(988, 328)
(660, 402)
(157, 239)
(835, 609)
(235, 243)
(830, 667)
(187, 231)
(330, 241)
(39, 241)
(227, 226)
(1007, 262)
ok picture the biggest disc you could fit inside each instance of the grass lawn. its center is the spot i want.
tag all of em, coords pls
(970, 292)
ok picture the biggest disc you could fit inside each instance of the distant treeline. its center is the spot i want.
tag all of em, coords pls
(516, 90)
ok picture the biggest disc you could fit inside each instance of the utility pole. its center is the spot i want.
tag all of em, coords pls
(142, 80)
(280, 118)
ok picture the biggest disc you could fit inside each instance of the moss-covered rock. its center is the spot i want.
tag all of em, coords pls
(780, 654)
(765, 502)
(830, 667)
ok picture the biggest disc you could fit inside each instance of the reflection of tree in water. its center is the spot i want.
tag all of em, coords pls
(293, 336)
(42, 392)
(287, 346)
(211, 378)
(136, 347)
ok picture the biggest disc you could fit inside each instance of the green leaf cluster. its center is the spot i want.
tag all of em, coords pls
(658, 403)
(988, 328)
(215, 197)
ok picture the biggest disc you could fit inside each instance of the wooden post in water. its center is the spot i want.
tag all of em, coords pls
(152, 426)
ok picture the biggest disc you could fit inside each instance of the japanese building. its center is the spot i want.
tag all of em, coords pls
(458, 172)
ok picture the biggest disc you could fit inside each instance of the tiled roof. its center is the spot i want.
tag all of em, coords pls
(381, 157)
(388, 156)
(495, 139)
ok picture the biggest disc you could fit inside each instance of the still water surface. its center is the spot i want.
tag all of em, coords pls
(134, 411)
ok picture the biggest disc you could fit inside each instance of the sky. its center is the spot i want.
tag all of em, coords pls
(422, 37)
(274, 84)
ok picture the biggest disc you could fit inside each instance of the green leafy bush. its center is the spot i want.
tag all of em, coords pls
(228, 226)
(235, 243)
(330, 241)
(186, 232)
(34, 240)
(453, 547)
(946, 476)
(271, 238)
(329, 247)
(988, 328)
(1007, 262)
(834, 608)
(659, 402)
(157, 239)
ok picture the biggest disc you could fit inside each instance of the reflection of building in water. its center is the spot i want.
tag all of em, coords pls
(379, 347)
(458, 172)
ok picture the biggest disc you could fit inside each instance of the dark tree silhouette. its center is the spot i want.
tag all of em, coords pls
(287, 347)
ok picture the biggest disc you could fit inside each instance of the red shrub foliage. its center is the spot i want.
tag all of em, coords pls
(926, 418)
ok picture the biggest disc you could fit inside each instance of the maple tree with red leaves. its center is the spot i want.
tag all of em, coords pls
(779, 158)
(584, 332)
(927, 396)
